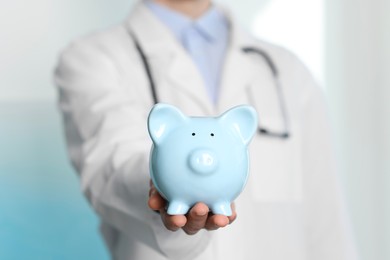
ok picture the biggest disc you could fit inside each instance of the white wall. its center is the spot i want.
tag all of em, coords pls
(358, 80)
(33, 32)
(298, 26)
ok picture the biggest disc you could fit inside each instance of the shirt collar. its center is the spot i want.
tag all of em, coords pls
(211, 25)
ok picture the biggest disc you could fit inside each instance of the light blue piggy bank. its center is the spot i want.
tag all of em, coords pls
(200, 159)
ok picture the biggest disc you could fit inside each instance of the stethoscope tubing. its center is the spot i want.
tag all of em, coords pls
(261, 130)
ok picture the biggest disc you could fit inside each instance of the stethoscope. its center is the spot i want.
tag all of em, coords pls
(284, 134)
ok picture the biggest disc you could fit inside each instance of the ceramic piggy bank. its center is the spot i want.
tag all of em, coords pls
(200, 159)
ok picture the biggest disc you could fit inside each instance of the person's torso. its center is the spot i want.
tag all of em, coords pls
(270, 208)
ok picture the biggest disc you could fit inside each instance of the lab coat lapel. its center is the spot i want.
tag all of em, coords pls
(172, 68)
(238, 70)
(237, 75)
(184, 76)
(248, 75)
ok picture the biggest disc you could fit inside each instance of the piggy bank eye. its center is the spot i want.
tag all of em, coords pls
(193, 134)
(212, 134)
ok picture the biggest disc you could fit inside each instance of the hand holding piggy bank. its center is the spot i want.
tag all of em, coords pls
(200, 159)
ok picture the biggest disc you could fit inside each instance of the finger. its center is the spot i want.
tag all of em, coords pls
(151, 191)
(215, 222)
(172, 222)
(196, 218)
(234, 214)
(156, 201)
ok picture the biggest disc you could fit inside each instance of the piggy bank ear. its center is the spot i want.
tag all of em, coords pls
(162, 119)
(241, 120)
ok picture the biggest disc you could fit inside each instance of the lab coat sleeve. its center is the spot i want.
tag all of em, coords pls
(106, 130)
(328, 231)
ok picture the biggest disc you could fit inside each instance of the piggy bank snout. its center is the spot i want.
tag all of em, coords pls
(203, 161)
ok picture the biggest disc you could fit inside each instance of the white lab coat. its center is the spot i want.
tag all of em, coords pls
(291, 207)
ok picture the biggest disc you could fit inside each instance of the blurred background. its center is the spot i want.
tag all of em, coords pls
(345, 43)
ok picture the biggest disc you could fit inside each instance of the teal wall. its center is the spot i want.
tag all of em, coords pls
(43, 214)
